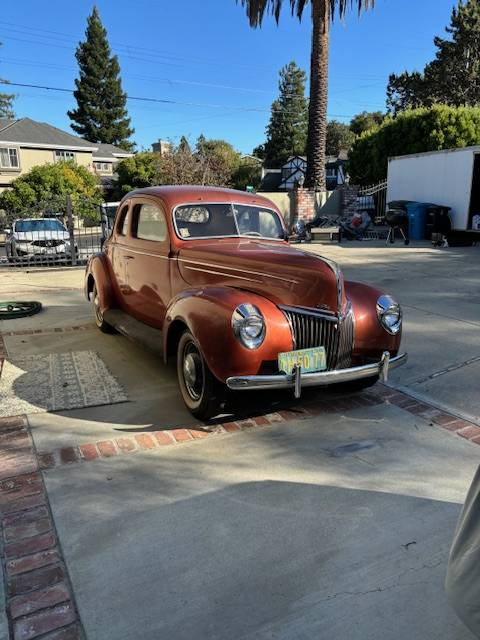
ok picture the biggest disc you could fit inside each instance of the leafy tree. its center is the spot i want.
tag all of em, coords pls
(141, 170)
(453, 77)
(366, 120)
(287, 129)
(6, 103)
(101, 113)
(322, 12)
(339, 137)
(217, 161)
(248, 174)
(412, 131)
(44, 189)
(213, 162)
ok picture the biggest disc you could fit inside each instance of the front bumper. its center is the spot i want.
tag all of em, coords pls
(297, 379)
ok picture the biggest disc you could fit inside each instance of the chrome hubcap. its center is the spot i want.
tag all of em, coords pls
(192, 371)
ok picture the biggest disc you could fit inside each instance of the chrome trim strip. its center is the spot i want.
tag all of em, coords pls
(338, 277)
(142, 253)
(224, 266)
(219, 273)
(322, 378)
(309, 311)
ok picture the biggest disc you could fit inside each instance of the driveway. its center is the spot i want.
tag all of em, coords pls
(310, 520)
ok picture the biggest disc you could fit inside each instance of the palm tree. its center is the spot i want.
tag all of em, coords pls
(323, 12)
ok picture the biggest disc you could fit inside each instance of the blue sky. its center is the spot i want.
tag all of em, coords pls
(204, 56)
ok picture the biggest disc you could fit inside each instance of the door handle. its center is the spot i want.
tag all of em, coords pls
(129, 258)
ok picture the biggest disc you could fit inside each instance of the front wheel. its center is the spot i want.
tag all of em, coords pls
(97, 313)
(201, 391)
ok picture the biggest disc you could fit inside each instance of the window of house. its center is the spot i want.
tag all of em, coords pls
(331, 172)
(149, 223)
(9, 158)
(64, 155)
(104, 167)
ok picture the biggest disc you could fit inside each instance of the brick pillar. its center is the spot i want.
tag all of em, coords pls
(304, 204)
(348, 199)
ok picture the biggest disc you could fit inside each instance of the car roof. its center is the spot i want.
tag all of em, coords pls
(189, 194)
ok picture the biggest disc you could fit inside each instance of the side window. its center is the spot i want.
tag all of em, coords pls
(149, 223)
(123, 218)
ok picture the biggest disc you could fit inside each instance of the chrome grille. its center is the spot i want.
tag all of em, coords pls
(311, 329)
(48, 243)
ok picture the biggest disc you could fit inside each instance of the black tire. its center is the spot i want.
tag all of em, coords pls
(97, 314)
(201, 392)
(355, 385)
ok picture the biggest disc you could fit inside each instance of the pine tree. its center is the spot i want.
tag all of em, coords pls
(101, 114)
(453, 78)
(6, 103)
(287, 129)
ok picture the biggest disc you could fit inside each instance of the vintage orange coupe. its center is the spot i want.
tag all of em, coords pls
(207, 276)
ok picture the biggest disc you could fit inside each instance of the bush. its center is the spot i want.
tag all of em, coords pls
(414, 131)
(44, 190)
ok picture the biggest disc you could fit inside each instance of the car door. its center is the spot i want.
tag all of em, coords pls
(118, 251)
(148, 262)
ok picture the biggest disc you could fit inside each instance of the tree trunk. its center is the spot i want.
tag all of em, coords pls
(317, 109)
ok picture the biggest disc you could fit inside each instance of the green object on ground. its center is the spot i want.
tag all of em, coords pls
(15, 309)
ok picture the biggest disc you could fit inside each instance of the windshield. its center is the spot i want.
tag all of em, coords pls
(38, 225)
(227, 220)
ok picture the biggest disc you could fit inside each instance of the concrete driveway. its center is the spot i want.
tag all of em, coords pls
(334, 523)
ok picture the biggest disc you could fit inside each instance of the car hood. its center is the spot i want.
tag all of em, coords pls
(28, 236)
(275, 270)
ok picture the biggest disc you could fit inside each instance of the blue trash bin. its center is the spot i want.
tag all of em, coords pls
(417, 218)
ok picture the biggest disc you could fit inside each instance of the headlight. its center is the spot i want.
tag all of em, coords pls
(389, 314)
(248, 325)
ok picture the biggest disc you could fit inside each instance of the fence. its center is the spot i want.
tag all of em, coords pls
(64, 231)
(374, 198)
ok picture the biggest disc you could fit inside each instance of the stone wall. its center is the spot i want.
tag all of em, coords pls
(305, 204)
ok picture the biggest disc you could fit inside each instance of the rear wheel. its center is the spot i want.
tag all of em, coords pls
(201, 391)
(97, 313)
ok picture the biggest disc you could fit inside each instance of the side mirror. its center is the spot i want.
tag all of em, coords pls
(7, 231)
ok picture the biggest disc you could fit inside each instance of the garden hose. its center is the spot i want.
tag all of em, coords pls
(14, 309)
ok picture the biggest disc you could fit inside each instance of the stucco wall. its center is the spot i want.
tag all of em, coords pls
(30, 158)
(328, 203)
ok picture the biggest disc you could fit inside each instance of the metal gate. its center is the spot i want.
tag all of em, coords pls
(374, 198)
(58, 231)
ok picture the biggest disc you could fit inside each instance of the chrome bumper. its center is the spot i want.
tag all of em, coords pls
(297, 379)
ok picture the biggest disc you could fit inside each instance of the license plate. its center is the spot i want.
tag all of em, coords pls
(311, 360)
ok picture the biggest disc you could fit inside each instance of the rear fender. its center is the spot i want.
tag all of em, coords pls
(371, 339)
(207, 313)
(97, 273)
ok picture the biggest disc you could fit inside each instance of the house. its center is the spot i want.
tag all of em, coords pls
(293, 173)
(26, 143)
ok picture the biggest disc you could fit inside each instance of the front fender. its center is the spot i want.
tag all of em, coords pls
(207, 312)
(97, 271)
(371, 339)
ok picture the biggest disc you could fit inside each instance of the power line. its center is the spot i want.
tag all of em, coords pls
(158, 100)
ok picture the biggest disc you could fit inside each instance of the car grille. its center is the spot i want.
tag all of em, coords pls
(311, 329)
(48, 243)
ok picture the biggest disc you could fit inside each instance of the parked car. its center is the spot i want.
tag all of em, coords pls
(463, 573)
(38, 238)
(207, 277)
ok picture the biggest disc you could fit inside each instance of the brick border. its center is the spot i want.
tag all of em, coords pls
(39, 596)
(47, 330)
(155, 440)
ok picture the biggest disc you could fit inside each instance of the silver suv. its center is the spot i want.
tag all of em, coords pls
(38, 238)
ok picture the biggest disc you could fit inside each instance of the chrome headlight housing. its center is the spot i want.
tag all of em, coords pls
(248, 325)
(389, 314)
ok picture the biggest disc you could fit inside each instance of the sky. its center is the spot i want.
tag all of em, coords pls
(218, 76)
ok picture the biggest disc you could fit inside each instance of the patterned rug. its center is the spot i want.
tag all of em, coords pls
(55, 381)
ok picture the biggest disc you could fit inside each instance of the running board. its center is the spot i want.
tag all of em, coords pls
(135, 330)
